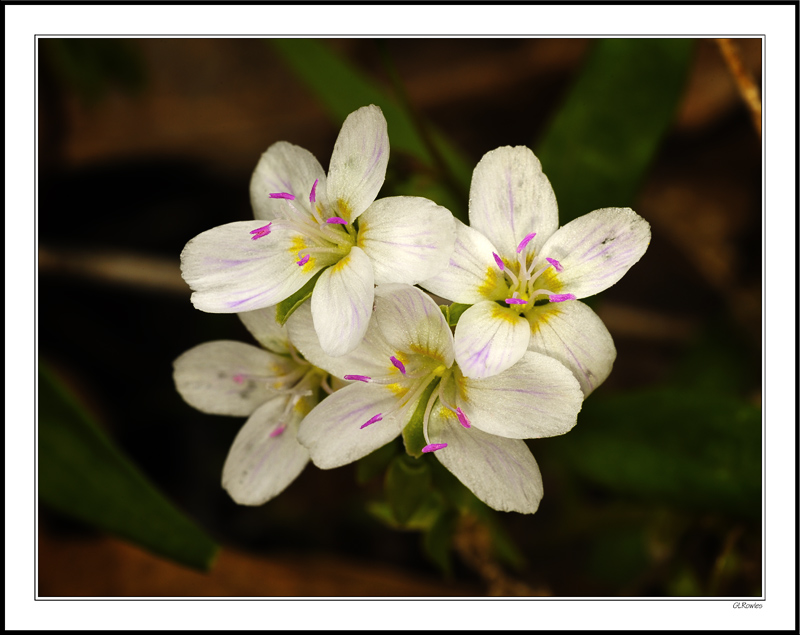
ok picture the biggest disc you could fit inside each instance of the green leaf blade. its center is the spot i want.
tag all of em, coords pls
(295, 301)
(83, 475)
(413, 435)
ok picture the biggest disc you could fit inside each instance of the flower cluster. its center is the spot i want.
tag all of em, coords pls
(524, 354)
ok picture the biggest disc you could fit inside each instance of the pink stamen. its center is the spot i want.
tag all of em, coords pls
(515, 301)
(336, 220)
(499, 261)
(433, 447)
(555, 263)
(312, 198)
(375, 419)
(363, 378)
(286, 195)
(261, 231)
(238, 378)
(524, 242)
(398, 364)
(462, 418)
(278, 431)
(303, 260)
(561, 297)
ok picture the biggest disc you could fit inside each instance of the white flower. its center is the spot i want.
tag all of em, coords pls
(476, 426)
(274, 388)
(307, 226)
(523, 275)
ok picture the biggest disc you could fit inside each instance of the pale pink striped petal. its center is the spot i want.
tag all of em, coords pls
(499, 471)
(289, 169)
(411, 322)
(358, 164)
(263, 326)
(537, 397)
(511, 198)
(232, 270)
(596, 250)
(574, 335)
(473, 274)
(333, 431)
(265, 457)
(228, 378)
(408, 238)
(489, 339)
(341, 304)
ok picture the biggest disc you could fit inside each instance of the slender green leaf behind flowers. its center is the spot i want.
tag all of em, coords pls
(274, 388)
(475, 426)
(523, 275)
(308, 223)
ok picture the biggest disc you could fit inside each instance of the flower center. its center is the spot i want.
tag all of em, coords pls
(326, 231)
(408, 377)
(531, 278)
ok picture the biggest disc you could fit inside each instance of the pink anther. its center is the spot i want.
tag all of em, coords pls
(278, 431)
(556, 265)
(524, 242)
(499, 261)
(433, 447)
(303, 260)
(312, 198)
(261, 231)
(375, 419)
(398, 364)
(462, 418)
(363, 378)
(516, 301)
(561, 297)
(286, 195)
(336, 220)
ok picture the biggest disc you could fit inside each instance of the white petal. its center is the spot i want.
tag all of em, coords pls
(369, 359)
(228, 378)
(501, 472)
(537, 397)
(574, 335)
(510, 197)
(230, 272)
(358, 162)
(597, 249)
(410, 322)
(259, 465)
(288, 169)
(489, 339)
(263, 326)
(472, 274)
(342, 303)
(332, 431)
(408, 238)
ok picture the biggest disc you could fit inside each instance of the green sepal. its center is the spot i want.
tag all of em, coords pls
(294, 301)
(456, 310)
(407, 485)
(413, 437)
(422, 519)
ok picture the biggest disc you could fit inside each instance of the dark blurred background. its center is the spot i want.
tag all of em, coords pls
(144, 143)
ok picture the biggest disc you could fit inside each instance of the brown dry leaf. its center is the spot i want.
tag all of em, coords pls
(108, 567)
